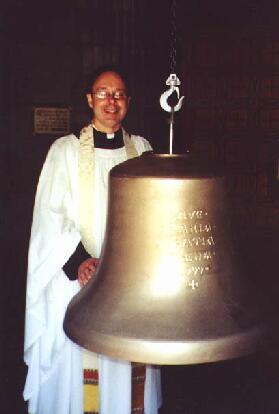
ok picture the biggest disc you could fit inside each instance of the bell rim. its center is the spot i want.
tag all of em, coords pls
(175, 352)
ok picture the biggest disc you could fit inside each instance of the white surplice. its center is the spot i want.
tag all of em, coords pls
(54, 379)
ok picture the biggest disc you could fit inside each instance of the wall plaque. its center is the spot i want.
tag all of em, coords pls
(55, 121)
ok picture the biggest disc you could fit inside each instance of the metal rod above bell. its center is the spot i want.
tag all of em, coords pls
(169, 288)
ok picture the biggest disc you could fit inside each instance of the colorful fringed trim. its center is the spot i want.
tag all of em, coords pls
(138, 380)
(91, 391)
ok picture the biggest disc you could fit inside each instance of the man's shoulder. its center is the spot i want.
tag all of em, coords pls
(63, 148)
(65, 143)
(141, 143)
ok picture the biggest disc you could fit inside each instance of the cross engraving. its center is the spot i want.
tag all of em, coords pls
(193, 284)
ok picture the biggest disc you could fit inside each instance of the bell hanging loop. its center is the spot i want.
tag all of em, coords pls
(173, 82)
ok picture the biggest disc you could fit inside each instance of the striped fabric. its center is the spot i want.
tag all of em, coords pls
(91, 389)
(138, 380)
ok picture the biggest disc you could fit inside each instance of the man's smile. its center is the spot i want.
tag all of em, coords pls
(111, 110)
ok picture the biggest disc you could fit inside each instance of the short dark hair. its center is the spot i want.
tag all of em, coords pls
(91, 78)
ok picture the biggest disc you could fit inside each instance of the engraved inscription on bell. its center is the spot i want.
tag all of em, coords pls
(190, 238)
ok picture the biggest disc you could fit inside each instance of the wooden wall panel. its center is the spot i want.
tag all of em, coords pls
(269, 87)
(233, 100)
(269, 119)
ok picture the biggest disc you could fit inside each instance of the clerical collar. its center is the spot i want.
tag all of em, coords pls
(108, 141)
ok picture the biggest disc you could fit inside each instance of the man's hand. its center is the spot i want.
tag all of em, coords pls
(86, 270)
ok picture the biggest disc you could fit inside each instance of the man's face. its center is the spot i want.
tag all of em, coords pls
(109, 112)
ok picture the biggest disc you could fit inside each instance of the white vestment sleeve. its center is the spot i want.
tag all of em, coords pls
(54, 237)
(141, 144)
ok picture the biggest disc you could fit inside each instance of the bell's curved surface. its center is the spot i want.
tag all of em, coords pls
(169, 288)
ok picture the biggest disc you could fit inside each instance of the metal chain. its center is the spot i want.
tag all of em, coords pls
(173, 37)
(173, 82)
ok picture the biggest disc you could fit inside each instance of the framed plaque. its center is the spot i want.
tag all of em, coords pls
(51, 121)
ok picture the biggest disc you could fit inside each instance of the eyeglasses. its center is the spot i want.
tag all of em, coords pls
(118, 95)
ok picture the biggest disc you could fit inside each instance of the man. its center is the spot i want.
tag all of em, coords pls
(70, 207)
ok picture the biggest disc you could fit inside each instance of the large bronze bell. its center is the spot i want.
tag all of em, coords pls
(169, 288)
